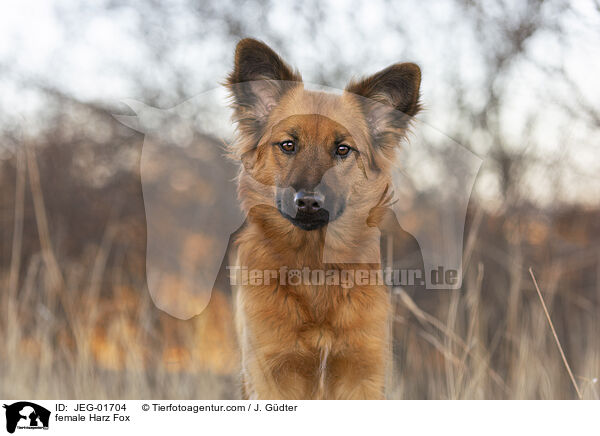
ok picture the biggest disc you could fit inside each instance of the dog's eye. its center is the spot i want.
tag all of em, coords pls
(343, 150)
(287, 146)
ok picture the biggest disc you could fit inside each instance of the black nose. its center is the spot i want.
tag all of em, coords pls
(308, 202)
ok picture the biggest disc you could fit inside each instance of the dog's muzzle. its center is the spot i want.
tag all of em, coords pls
(308, 210)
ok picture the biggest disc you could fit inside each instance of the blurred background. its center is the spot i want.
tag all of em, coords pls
(515, 82)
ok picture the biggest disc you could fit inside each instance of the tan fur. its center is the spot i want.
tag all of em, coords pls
(309, 341)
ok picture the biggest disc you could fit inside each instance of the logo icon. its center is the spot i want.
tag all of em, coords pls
(186, 140)
(26, 415)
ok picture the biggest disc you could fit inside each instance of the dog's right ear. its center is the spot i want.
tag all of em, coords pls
(258, 81)
(390, 99)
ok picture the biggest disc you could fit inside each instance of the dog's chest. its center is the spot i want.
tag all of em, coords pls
(321, 316)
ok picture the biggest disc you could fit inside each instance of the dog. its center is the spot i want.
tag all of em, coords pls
(315, 182)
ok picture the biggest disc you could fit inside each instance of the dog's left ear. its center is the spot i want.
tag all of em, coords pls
(258, 81)
(391, 99)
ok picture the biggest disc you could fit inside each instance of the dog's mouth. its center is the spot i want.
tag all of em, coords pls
(310, 221)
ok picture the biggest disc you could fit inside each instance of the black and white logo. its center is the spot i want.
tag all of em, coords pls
(26, 415)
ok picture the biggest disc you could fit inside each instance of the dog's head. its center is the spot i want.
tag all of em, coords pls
(310, 158)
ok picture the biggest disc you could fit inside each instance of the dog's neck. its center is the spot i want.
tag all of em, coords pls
(329, 245)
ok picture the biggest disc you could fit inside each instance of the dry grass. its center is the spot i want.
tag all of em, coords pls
(63, 335)
(77, 344)
(562, 353)
(83, 329)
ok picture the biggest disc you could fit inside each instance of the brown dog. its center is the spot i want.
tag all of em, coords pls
(315, 178)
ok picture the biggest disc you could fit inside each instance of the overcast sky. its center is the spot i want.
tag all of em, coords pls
(96, 55)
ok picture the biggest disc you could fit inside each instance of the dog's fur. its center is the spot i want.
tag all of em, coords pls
(311, 341)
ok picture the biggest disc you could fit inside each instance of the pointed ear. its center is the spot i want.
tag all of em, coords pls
(146, 118)
(391, 99)
(258, 81)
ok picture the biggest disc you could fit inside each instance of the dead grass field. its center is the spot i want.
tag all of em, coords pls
(83, 326)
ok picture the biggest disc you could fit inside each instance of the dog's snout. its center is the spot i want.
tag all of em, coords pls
(308, 202)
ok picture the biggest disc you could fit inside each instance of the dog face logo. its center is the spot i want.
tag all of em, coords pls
(26, 415)
(311, 162)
